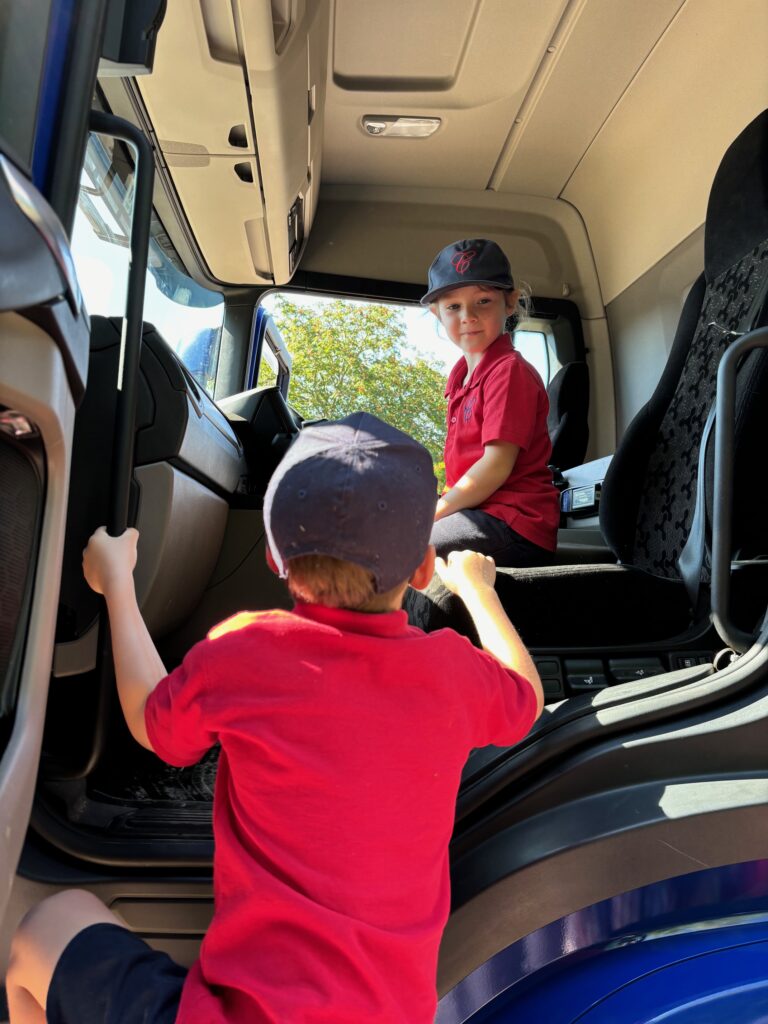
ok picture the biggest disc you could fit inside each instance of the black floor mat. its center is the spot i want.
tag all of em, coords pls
(153, 781)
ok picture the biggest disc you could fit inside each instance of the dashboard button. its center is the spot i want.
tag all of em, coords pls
(586, 681)
(628, 670)
(547, 666)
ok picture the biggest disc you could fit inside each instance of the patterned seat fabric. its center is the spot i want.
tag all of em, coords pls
(668, 499)
(649, 494)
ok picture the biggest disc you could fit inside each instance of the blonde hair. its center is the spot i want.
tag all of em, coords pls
(523, 307)
(321, 579)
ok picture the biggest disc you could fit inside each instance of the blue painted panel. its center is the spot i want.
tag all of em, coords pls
(257, 337)
(724, 985)
(60, 27)
(565, 971)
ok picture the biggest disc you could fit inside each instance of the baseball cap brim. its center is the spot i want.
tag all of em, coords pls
(437, 292)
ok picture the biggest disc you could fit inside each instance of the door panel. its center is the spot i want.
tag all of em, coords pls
(43, 349)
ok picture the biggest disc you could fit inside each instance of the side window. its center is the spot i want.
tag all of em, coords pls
(537, 346)
(267, 375)
(390, 359)
(349, 355)
(187, 315)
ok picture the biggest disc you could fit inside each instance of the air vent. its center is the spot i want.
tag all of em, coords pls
(244, 171)
(237, 136)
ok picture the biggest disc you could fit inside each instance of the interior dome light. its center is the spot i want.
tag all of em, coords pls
(392, 126)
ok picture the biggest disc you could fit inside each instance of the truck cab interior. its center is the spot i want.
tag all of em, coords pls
(329, 148)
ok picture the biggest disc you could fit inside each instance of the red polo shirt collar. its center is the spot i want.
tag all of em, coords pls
(499, 348)
(383, 624)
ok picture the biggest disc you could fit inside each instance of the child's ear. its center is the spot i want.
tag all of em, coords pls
(271, 562)
(425, 570)
(510, 300)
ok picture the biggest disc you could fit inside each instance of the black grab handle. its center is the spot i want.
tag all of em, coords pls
(130, 345)
(722, 512)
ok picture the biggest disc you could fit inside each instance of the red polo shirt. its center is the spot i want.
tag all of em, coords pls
(343, 737)
(505, 400)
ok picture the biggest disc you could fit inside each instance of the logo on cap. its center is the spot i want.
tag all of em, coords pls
(462, 261)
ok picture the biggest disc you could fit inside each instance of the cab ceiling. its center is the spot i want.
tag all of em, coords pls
(521, 87)
(616, 108)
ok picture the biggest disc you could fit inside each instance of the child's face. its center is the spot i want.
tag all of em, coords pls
(474, 315)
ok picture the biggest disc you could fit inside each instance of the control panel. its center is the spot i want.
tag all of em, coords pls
(565, 677)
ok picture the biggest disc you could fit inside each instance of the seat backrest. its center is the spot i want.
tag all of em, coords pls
(649, 493)
(568, 394)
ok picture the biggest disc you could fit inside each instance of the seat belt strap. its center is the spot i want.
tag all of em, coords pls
(691, 560)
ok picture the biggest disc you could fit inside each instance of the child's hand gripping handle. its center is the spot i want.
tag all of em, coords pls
(108, 562)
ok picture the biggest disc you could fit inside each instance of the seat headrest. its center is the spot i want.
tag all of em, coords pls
(737, 212)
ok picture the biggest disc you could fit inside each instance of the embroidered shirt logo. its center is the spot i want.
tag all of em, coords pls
(468, 407)
(462, 261)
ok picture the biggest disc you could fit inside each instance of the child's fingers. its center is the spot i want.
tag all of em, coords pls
(440, 566)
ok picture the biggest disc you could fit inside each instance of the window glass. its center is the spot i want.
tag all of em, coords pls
(188, 316)
(267, 375)
(538, 348)
(392, 360)
(350, 355)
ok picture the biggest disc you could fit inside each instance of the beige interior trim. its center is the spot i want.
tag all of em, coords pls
(225, 213)
(470, 64)
(196, 93)
(393, 234)
(603, 434)
(171, 915)
(643, 320)
(33, 381)
(77, 656)
(177, 517)
(288, 107)
(250, 584)
(607, 44)
(537, 88)
(239, 124)
(611, 105)
(643, 185)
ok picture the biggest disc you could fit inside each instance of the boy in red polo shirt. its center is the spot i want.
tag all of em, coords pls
(343, 734)
(499, 497)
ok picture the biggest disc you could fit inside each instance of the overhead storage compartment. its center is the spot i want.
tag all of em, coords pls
(234, 89)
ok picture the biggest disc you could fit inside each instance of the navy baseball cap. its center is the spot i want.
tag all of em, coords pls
(356, 489)
(469, 261)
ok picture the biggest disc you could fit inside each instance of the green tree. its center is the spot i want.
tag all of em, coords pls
(349, 356)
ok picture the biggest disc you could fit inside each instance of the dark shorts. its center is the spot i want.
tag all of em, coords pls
(472, 529)
(108, 975)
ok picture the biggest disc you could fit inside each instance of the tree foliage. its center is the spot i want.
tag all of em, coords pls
(351, 356)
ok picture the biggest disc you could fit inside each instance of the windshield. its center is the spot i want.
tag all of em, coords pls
(187, 315)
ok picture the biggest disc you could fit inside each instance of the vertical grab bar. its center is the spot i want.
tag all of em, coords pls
(130, 343)
(722, 512)
(127, 392)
